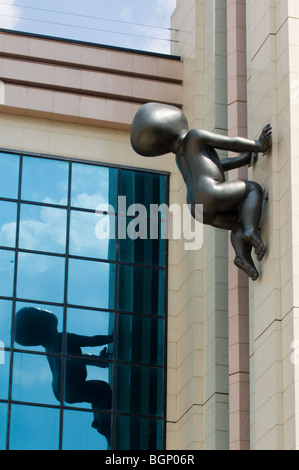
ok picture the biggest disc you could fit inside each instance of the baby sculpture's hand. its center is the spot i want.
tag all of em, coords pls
(265, 139)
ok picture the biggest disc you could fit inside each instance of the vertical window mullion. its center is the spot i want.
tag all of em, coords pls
(64, 345)
(14, 300)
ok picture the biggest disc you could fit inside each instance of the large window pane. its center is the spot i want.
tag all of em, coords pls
(42, 228)
(141, 290)
(91, 331)
(34, 428)
(41, 277)
(4, 373)
(93, 235)
(140, 339)
(3, 424)
(141, 246)
(139, 390)
(33, 379)
(8, 223)
(138, 433)
(79, 432)
(5, 322)
(9, 175)
(143, 188)
(94, 186)
(45, 180)
(91, 283)
(7, 266)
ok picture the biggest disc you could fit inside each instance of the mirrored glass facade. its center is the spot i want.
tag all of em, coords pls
(83, 297)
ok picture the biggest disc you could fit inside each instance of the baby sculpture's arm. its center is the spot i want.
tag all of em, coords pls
(237, 144)
(241, 160)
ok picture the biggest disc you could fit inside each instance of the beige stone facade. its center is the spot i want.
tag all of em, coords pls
(241, 65)
(232, 369)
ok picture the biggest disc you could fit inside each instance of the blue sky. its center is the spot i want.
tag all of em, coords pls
(137, 24)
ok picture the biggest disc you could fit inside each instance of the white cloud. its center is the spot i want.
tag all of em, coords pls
(9, 14)
(126, 13)
(165, 7)
(161, 14)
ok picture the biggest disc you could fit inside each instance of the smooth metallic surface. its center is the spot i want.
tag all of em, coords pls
(159, 129)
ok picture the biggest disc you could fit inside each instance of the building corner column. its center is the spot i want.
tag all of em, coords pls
(238, 286)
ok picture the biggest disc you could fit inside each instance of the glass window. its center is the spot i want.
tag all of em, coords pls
(3, 424)
(86, 383)
(9, 175)
(41, 277)
(4, 372)
(93, 235)
(139, 247)
(94, 187)
(5, 322)
(42, 228)
(142, 188)
(138, 433)
(45, 180)
(139, 390)
(7, 267)
(91, 287)
(33, 378)
(141, 290)
(140, 339)
(94, 331)
(91, 283)
(34, 428)
(80, 431)
(8, 223)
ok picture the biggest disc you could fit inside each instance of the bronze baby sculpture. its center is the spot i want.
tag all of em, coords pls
(159, 129)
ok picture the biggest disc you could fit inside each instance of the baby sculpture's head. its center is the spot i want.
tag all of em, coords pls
(158, 129)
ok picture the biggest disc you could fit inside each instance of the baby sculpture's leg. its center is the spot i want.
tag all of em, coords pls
(243, 198)
(250, 214)
(243, 259)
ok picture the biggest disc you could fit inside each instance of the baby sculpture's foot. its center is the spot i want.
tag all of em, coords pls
(254, 239)
(245, 263)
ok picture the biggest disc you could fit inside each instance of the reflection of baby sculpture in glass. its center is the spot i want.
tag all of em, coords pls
(34, 327)
(159, 129)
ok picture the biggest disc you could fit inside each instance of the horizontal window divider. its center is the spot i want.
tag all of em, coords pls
(9, 299)
(137, 415)
(117, 362)
(87, 258)
(91, 211)
(43, 253)
(40, 405)
(87, 410)
(143, 315)
(37, 353)
(44, 204)
(93, 309)
(8, 199)
(39, 302)
(8, 248)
